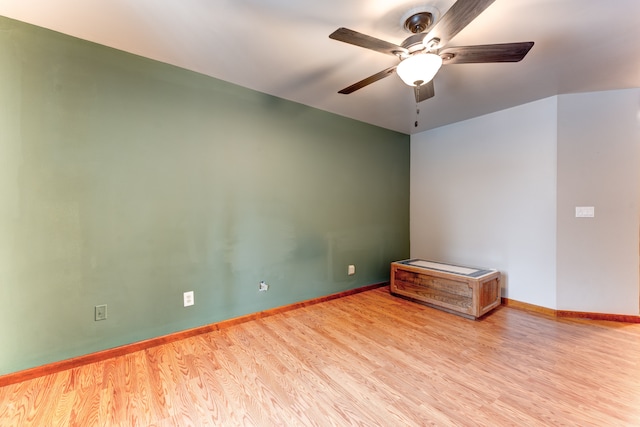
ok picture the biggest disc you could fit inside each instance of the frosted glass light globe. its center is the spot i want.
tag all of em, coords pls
(419, 69)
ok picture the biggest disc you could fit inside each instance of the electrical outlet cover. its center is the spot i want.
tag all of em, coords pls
(188, 299)
(351, 270)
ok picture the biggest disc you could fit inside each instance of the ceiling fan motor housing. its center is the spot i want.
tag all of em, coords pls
(418, 22)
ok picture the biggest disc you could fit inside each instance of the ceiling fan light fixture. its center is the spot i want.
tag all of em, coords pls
(419, 69)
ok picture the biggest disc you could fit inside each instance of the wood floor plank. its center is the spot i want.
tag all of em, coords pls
(292, 377)
(210, 392)
(363, 360)
(266, 373)
(85, 407)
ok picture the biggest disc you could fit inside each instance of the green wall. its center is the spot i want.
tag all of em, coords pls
(124, 181)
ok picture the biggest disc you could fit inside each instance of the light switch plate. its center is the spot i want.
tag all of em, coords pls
(101, 312)
(585, 212)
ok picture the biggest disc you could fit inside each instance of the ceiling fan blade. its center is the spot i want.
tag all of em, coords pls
(505, 52)
(358, 39)
(424, 92)
(371, 79)
(456, 18)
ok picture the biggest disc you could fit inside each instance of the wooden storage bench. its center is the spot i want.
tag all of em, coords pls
(466, 291)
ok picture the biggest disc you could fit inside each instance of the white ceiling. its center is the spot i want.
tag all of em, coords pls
(281, 47)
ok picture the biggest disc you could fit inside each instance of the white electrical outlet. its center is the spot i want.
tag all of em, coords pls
(263, 287)
(351, 270)
(188, 299)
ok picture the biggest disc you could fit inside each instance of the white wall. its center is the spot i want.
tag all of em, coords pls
(483, 193)
(599, 166)
(500, 191)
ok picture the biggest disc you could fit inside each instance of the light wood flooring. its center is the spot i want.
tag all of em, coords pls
(368, 359)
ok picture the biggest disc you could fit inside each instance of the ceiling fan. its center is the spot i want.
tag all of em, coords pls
(422, 54)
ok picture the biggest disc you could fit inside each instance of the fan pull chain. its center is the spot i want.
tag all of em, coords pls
(417, 107)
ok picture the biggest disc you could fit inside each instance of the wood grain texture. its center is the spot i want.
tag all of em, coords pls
(460, 294)
(365, 359)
